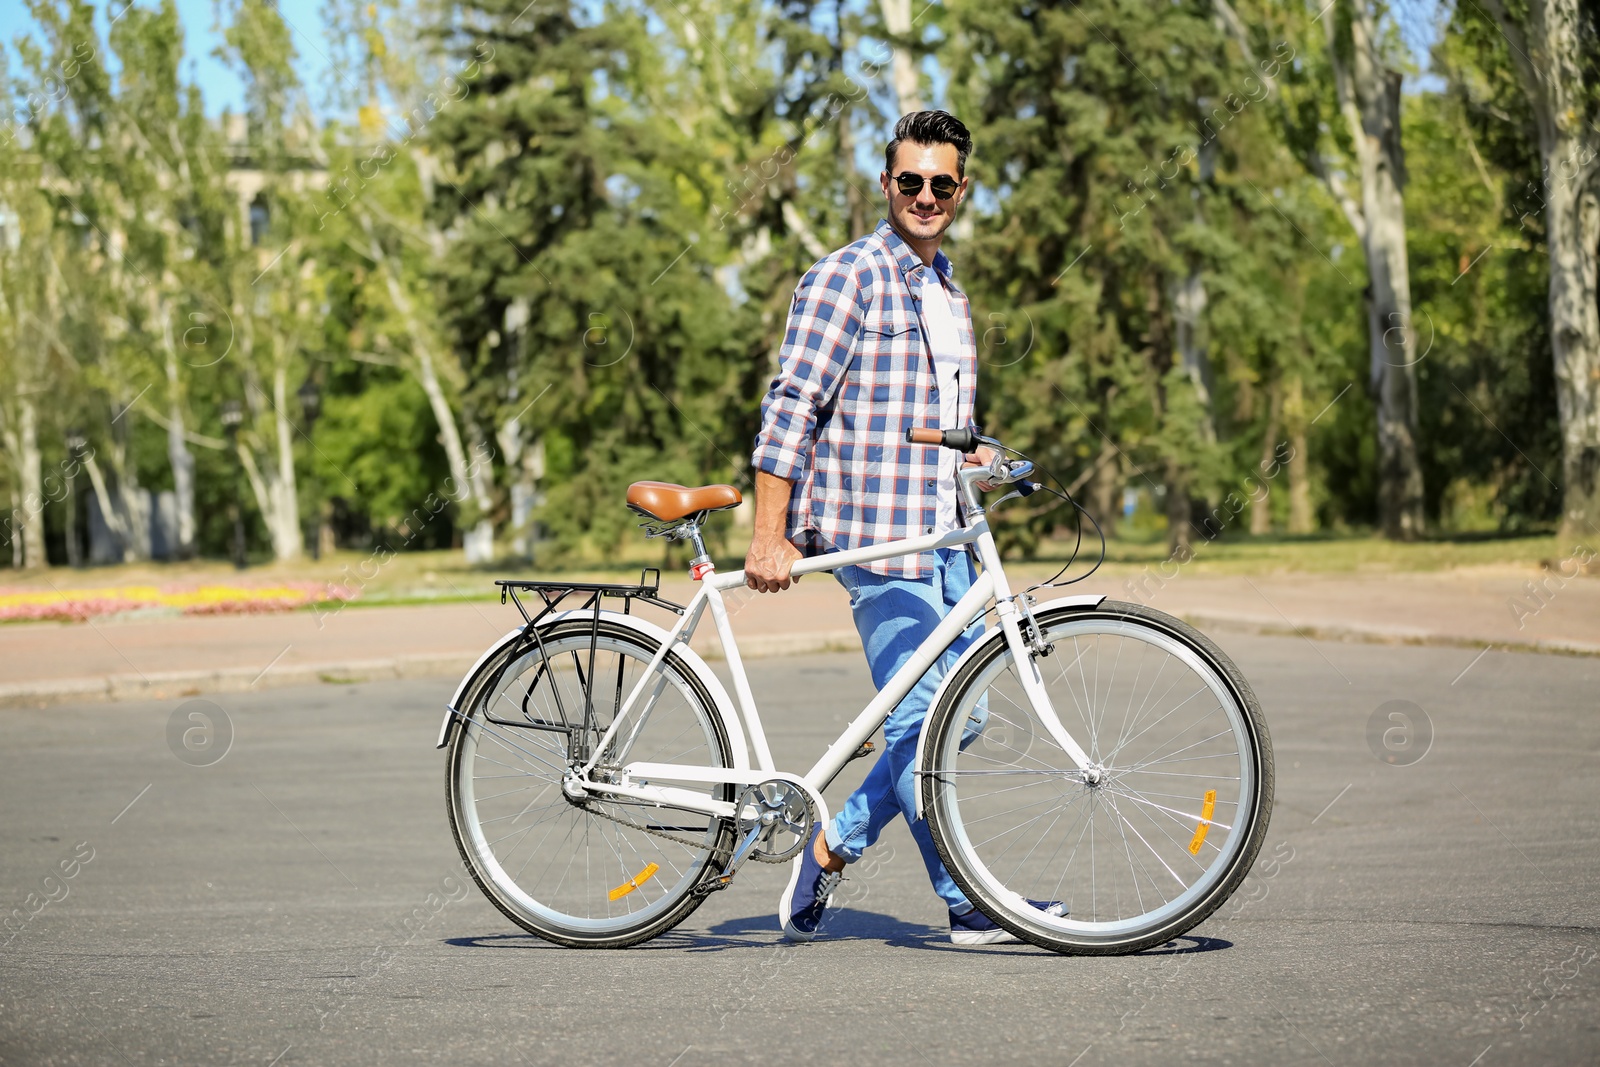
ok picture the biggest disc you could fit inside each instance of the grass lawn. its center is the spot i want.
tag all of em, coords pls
(420, 577)
(1330, 554)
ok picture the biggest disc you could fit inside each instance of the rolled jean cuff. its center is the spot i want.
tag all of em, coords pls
(836, 844)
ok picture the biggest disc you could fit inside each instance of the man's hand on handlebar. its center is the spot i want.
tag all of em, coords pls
(981, 458)
(766, 567)
(983, 455)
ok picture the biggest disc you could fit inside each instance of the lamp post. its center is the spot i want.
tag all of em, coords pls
(76, 443)
(232, 416)
(311, 406)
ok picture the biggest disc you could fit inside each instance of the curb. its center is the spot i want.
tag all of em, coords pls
(161, 685)
(1380, 635)
(166, 685)
(171, 684)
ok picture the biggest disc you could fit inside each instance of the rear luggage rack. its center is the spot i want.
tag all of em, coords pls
(589, 597)
(553, 593)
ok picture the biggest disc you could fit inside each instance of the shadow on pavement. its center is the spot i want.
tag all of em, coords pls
(760, 931)
(1177, 946)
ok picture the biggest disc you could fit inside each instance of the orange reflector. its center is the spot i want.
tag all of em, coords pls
(649, 872)
(1205, 823)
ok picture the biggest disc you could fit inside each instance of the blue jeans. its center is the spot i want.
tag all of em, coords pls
(894, 616)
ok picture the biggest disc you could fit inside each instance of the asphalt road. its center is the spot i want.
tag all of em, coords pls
(299, 900)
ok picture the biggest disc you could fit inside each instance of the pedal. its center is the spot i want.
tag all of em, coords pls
(866, 749)
(712, 885)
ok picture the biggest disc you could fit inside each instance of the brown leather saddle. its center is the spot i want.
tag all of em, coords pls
(666, 502)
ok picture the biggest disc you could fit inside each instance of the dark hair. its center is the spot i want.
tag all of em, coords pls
(931, 128)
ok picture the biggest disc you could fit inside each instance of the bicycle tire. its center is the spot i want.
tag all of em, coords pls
(566, 908)
(1122, 904)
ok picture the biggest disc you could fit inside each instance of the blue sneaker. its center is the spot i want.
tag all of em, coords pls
(976, 928)
(800, 910)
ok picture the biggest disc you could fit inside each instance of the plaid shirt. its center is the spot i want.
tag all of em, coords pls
(855, 372)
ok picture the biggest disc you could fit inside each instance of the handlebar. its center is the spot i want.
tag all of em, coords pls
(998, 471)
(1016, 472)
(960, 440)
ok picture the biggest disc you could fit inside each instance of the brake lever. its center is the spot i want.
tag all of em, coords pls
(1023, 489)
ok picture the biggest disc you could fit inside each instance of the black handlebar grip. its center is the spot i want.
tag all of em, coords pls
(960, 440)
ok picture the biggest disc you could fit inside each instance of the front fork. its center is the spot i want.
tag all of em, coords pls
(1027, 646)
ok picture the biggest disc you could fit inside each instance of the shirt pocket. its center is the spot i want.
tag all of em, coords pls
(892, 325)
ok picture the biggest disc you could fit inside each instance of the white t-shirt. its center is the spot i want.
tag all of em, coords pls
(945, 340)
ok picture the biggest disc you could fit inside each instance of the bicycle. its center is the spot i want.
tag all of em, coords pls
(601, 782)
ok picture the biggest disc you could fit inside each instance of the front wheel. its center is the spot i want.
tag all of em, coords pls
(1173, 823)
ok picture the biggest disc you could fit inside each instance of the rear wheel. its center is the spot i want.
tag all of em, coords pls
(1168, 831)
(582, 873)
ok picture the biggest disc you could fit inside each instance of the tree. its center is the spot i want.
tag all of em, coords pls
(1087, 150)
(376, 203)
(1351, 107)
(25, 232)
(1555, 51)
(155, 146)
(580, 280)
(272, 284)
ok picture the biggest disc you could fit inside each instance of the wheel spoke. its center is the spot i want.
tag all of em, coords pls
(567, 871)
(1134, 865)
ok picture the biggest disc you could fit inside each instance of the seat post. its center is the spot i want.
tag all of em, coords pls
(701, 565)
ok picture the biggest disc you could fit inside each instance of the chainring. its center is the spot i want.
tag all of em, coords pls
(784, 810)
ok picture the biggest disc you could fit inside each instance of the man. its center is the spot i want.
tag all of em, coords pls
(879, 340)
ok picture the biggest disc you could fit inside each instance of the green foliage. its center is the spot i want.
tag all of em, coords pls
(565, 236)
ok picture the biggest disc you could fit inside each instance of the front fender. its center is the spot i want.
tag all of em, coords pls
(1089, 600)
(690, 658)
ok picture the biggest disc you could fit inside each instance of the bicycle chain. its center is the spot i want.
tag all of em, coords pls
(722, 853)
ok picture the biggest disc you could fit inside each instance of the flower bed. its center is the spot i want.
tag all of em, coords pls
(79, 604)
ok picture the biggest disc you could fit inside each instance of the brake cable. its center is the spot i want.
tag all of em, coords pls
(1028, 489)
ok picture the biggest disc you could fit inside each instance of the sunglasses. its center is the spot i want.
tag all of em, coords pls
(944, 186)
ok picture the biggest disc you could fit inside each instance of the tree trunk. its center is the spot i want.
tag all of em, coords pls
(1547, 50)
(130, 503)
(1105, 481)
(856, 205)
(273, 487)
(74, 548)
(525, 497)
(1369, 99)
(907, 89)
(284, 518)
(1574, 233)
(1299, 474)
(32, 484)
(1179, 511)
(478, 542)
(178, 454)
(109, 514)
(1261, 510)
(21, 442)
(473, 482)
(1188, 312)
(15, 530)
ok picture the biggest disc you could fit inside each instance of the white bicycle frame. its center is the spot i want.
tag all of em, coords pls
(637, 780)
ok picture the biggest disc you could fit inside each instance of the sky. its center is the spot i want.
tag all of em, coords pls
(222, 90)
